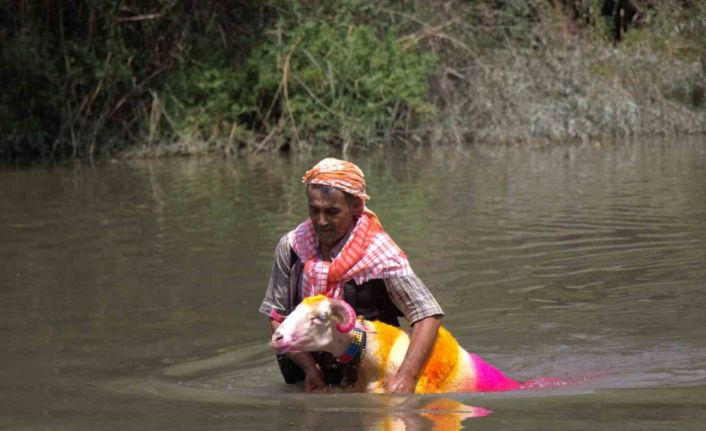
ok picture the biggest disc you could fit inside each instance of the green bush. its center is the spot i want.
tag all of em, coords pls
(320, 76)
(84, 77)
(28, 95)
(79, 77)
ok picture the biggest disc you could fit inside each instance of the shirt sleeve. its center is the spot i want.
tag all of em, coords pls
(277, 293)
(412, 297)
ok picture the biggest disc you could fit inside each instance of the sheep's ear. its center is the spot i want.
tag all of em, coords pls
(345, 313)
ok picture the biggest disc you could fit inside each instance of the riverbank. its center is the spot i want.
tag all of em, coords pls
(285, 76)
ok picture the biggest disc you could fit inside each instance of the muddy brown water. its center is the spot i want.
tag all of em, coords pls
(129, 289)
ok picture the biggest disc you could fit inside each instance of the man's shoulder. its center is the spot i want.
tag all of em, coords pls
(284, 240)
(283, 250)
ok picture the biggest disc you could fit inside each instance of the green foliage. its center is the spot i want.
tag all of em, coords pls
(675, 31)
(205, 102)
(27, 95)
(344, 81)
(81, 75)
(319, 76)
(84, 77)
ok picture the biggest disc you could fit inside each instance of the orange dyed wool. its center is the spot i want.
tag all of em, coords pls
(441, 368)
(385, 337)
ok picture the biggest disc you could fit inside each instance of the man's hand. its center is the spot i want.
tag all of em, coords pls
(400, 384)
(313, 377)
(420, 345)
(314, 380)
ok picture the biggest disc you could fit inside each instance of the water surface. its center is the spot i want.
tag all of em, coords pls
(129, 289)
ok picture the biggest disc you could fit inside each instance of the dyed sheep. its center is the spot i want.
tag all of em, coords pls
(320, 323)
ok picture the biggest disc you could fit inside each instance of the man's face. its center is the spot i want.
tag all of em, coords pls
(331, 214)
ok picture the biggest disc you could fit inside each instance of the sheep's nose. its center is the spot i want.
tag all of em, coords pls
(279, 343)
(277, 339)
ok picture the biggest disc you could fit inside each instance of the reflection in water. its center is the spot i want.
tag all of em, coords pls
(293, 409)
(389, 414)
(447, 414)
(437, 414)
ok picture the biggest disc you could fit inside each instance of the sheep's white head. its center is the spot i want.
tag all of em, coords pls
(313, 325)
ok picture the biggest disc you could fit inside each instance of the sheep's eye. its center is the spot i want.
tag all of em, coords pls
(321, 317)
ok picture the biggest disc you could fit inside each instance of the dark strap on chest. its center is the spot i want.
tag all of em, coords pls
(372, 301)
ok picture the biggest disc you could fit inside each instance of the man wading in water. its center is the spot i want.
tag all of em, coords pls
(342, 251)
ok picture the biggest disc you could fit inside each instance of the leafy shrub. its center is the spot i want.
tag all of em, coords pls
(83, 77)
(320, 76)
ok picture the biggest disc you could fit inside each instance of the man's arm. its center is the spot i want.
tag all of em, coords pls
(277, 293)
(416, 302)
(313, 377)
(277, 298)
(423, 337)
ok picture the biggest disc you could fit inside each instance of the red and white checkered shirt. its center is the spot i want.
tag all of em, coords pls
(407, 292)
(378, 257)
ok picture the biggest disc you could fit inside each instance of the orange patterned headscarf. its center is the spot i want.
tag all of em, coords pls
(369, 253)
(339, 174)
